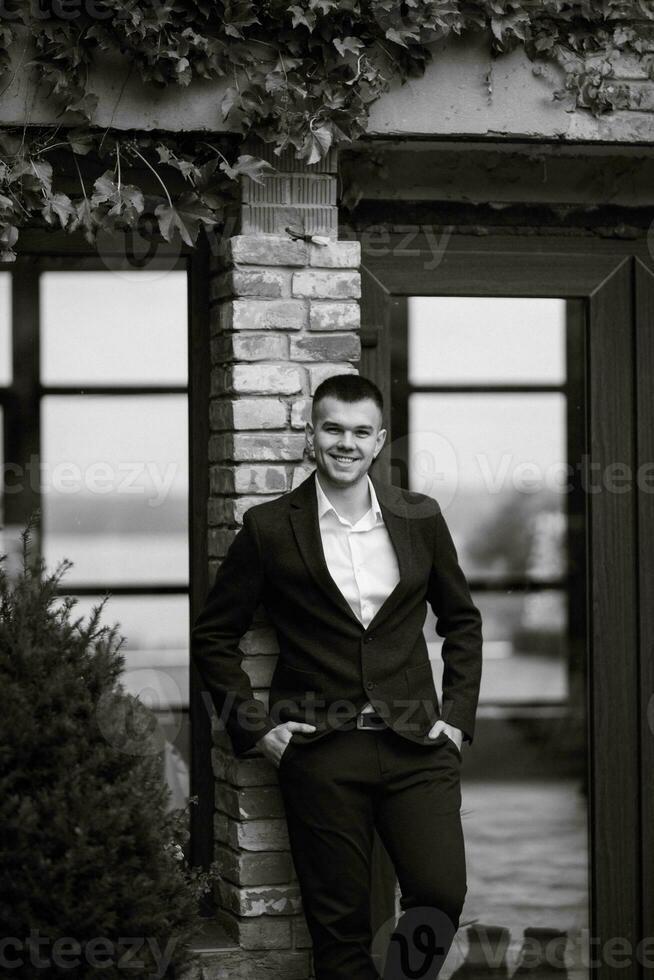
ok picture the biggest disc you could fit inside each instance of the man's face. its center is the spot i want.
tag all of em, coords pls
(346, 438)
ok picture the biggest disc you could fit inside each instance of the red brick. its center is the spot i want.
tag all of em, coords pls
(259, 314)
(336, 255)
(260, 899)
(319, 284)
(265, 379)
(326, 347)
(260, 641)
(259, 670)
(300, 413)
(259, 479)
(252, 803)
(251, 282)
(267, 250)
(243, 771)
(264, 932)
(248, 347)
(319, 372)
(332, 315)
(271, 446)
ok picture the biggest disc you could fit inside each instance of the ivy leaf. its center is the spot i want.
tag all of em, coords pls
(85, 218)
(399, 38)
(304, 17)
(247, 166)
(126, 201)
(81, 140)
(58, 206)
(188, 168)
(316, 144)
(184, 217)
(86, 104)
(345, 44)
(35, 174)
(8, 238)
(8, 235)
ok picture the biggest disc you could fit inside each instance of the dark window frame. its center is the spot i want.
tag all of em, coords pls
(61, 251)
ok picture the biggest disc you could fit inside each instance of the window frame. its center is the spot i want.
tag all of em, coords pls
(62, 250)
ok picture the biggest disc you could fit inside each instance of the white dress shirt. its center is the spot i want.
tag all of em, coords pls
(360, 557)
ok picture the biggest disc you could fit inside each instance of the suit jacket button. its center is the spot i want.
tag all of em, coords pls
(369, 685)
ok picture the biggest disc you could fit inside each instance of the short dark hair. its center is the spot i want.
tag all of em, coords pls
(348, 388)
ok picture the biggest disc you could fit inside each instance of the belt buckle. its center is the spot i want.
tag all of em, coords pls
(376, 723)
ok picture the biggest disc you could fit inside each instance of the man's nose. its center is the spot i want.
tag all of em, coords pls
(347, 440)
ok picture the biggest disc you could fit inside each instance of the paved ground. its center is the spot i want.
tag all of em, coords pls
(527, 857)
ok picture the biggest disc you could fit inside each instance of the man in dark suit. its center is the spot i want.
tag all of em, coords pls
(344, 567)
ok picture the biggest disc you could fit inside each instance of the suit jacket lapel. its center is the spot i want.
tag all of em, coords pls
(394, 512)
(304, 518)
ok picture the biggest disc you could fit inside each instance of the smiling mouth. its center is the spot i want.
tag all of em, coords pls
(345, 459)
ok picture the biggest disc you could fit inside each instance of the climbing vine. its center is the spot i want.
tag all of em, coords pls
(301, 76)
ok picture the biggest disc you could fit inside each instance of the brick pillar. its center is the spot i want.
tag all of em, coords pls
(284, 315)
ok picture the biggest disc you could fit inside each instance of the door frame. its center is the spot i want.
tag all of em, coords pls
(616, 279)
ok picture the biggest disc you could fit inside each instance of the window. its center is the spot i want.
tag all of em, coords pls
(488, 404)
(97, 408)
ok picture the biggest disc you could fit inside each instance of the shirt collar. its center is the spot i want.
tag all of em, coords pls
(325, 504)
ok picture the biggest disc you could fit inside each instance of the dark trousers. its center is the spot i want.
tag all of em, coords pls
(336, 790)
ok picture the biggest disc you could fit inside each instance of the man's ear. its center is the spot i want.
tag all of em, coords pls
(379, 442)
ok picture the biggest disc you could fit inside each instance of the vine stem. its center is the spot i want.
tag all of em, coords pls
(36, 174)
(79, 174)
(216, 150)
(150, 167)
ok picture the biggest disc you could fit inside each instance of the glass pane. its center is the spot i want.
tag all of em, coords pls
(115, 487)
(114, 328)
(467, 340)
(497, 465)
(156, 630)
(5, 328)
(525, 647)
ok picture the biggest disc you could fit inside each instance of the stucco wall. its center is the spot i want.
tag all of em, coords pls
(452, 99)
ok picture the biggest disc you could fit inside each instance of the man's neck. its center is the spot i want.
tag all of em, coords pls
(351, 502)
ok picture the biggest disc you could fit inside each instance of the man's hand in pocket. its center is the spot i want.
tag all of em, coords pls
(274, 743)
(453, 733)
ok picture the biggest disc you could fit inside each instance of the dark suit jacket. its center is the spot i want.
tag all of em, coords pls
(329, 665)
